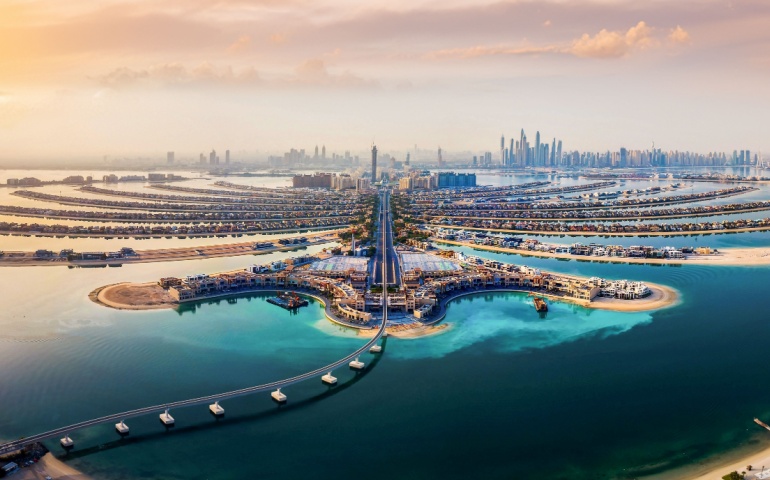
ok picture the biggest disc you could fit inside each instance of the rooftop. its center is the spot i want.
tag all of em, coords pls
(427, 263)
(339, 263)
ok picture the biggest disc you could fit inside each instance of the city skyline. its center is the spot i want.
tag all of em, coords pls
(260, 75)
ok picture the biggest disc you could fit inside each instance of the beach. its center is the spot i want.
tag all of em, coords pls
(661, 297)
(52, 467)
(28, 259)
(133, 296)
(726, 257)
(715, 468)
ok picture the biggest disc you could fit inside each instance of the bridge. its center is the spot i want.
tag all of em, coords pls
(213, 400)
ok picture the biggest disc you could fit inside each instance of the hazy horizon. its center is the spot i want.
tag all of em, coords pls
(137, 78)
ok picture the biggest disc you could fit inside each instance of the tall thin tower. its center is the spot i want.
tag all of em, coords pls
(440, 159)
(502, 150)
(374, 163)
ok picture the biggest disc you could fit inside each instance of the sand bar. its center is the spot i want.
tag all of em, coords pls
(610, 234)
(28, 259)
(726, 257)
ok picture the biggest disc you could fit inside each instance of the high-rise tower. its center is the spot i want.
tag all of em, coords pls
(538, 158)
(502, 150)
(374, 163)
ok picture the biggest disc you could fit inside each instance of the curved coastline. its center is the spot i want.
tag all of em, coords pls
(611, 234)
(735, 257)
(661, 297)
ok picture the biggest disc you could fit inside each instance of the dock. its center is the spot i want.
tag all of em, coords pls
(289, 301)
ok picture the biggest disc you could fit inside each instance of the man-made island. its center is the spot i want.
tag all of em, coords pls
(427, 283)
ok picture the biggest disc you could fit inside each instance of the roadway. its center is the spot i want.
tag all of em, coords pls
(118, 417)
(385, 239)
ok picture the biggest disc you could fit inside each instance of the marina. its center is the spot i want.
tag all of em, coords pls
(288, 301)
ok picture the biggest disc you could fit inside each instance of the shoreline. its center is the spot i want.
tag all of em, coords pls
(737, 257)
(164, 255)
(151, 296)
(716, 466)
(164, 235)
(51, 466)
(611, 234)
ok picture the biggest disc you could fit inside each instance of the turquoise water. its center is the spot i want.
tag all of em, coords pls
(502, 394)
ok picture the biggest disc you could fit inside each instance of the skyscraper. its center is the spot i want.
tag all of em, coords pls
(315, 156)
(170, 157)
(227, 157)
(323, 152)
(440, 159)
(558, 153)
(374, 162)
(538, 158)
(213, 157)
(511, 154)
(502, 150)
(552, 160)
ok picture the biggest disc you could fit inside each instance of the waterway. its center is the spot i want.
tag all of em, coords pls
(578, 394)
(504, 393)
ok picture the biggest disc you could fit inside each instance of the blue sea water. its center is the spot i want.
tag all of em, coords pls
(502, 393)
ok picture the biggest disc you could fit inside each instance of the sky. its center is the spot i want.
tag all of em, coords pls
(83, 79)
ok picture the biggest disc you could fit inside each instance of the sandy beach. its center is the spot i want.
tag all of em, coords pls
(50, 466)
(727, 257)
(28, 259)
(133, 296)
(612, 234)
(409, 331)
(716, 468)
(661, 297)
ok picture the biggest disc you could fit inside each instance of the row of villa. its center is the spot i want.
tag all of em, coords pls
(422, 292)
(577, 249)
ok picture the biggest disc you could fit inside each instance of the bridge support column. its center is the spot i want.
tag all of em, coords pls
(329, 379)
(121, 427)
(166, 418)
(67, 442)
(375, 349)
(357, 364)
(216, 410)
(278, 396)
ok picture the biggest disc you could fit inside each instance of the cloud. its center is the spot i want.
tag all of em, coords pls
(607, 44)
(314, 72)
(485, 51)
(178, 74)
(679, 35)
(243, 43)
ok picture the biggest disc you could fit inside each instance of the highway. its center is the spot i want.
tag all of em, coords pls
(118, 417)
(385, 239)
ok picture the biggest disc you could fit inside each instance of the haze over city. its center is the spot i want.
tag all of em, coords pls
(84, 79)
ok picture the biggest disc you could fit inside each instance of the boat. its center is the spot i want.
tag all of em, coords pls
(540, 304)
(288, 300)
(761, 423)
